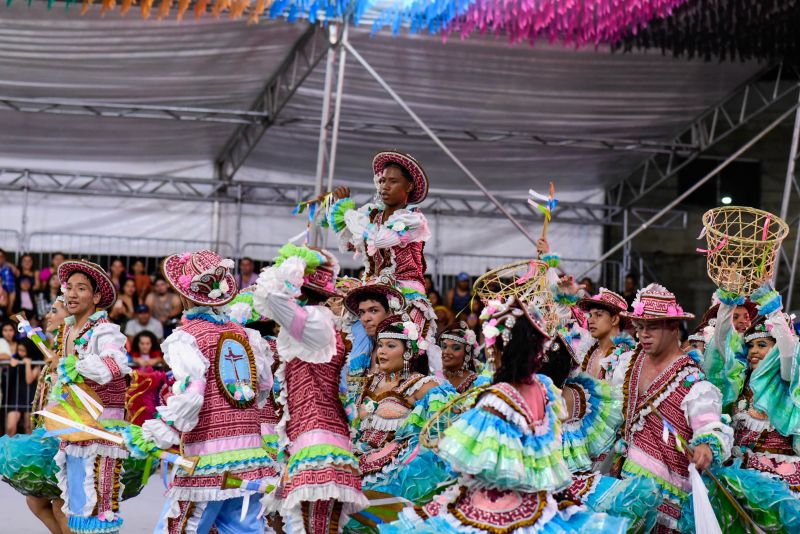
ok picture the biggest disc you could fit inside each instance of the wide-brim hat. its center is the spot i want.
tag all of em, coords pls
(322, 281)
(656, 303)
(606, 299)
(108, 293)
(354, 296)
(418, 176)
(203, 277)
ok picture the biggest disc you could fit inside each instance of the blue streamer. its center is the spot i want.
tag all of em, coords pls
(60, 432)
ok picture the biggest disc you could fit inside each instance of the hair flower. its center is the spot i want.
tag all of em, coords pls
(186, 256)
(185, 281)
(638, 308)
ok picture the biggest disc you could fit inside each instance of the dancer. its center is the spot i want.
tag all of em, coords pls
(93, 354)
(321, 485)
(607, 328)
(390, 235)
(371, 304)
(397, 402)
(222, 372)
(508, 448)
(459, 346)
(659, 380)
(27, 461)
(766, 415)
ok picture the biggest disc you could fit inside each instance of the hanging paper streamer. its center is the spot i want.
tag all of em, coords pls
(550, 203)
(321, 204)
(715, 249)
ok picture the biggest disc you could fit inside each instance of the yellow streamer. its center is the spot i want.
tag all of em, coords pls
(147, 5)
(163, 9)
(238, 8)
(86, 5)
(183, 6)
(257, 11)
(200, 8)
(125, 6)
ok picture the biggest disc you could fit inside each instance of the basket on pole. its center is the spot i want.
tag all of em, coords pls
(743, 245)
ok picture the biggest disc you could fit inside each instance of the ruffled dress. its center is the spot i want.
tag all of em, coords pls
(510, 460)
(387, 445)
(766, 421)
(474, 380)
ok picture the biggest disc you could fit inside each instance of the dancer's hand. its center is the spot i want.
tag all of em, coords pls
(542, 246)
(341, 192)
(702, 456)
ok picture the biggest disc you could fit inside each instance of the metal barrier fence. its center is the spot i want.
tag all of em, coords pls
(17, 394)
(11, 243)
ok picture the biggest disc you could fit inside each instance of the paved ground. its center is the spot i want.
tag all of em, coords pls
(140, 514)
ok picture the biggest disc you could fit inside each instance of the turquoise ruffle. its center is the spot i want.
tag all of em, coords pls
(776, 397)
(635, 498)
(93, 525)
(725, 371)
(26, 463)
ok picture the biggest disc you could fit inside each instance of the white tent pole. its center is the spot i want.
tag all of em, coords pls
(438, 141)
(787, 185)
(215, 226)
(323, 123)
(645, 225)
(337, 110)
(23, 238)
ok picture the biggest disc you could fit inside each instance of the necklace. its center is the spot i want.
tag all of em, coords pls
(453, 374)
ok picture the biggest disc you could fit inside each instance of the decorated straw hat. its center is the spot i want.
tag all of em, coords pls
(418, 176)
(760, 329)
(606, 299)
(103, 283)
(499, 317)
(322, 280)
(203, 277)
(393, 297)
(656, 303)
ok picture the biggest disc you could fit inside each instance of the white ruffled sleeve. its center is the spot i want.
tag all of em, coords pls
(402, 228)
(307, 332)
(785, 340)
(189, 367)
(620, 368)
(104, 357)
(356, 222)
(160, 433)
(264, 359)
(702, 407)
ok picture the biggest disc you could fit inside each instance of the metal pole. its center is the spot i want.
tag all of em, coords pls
(337, 110)
(790, 167)
(793, 269)
(626, 250)
(694, 188)
(323, 123)
(23, 238)
(239, 208)
(438, 141)
(437, 247)
(215, 216)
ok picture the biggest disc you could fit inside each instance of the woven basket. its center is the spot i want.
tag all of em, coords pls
(524, 280)
(440, 421)
(743, 246)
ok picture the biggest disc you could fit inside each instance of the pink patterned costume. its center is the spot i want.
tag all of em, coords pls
(222, 375)
(321, 485)
(691, 404)
(90, 471)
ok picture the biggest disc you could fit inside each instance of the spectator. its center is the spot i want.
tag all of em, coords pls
(26, 268)
(428, 284)
(48, 295)
(8, 343)
(142, 280)
(24, 301)
(587, 285)
(444, 317)
(435, 298)
(630, 289)
(247, 276)
(163, 303)
(117, 273)
(7, 282)
(459, 297)
(144, 321)
(55, 260)
(20, 394)
(145, 350)
(125, 306)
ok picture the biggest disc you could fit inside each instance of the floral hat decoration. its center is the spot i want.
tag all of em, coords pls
(499, 318)
(403, 328)
(461, 333)
(203, 277)
(656, 303)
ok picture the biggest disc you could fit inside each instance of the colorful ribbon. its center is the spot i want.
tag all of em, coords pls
(715, 249)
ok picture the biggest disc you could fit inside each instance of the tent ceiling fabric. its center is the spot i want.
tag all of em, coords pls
(476, 84)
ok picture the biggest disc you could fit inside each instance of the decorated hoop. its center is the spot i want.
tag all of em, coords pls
(446, 416)
(524, 280)
(743, 245)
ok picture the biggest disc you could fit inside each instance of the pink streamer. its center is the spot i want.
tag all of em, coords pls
(527, 276)
(716, 249)
(766, 227)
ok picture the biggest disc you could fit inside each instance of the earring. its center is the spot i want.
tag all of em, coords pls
(467, 358)
(406, 360)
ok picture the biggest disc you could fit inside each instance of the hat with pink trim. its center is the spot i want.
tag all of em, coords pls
(606, 299)
(103, 283)
(656, 303)
(418, 176)
(203, 277)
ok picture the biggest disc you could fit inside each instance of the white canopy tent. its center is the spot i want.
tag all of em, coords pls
(517, 117)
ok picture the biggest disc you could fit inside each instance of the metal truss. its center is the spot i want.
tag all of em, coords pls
(181, 189)
(770, 86)
(301, 60)
(127, 111)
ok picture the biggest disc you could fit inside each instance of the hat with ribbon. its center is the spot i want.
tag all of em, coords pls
(321, 270)
(656, 303)
(103, 284)
(418, 176)
(203, 277)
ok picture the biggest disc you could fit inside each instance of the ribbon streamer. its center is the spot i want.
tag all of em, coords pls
(715, 249)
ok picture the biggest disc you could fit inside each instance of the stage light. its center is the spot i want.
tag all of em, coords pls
(726, 200)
